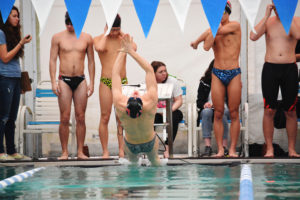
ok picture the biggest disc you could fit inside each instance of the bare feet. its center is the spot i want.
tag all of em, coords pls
(121, 154)
(220, 154)
(63, 156)
(233, 155)
(105, 154)
(81, 156)
(269, 153)
(293, 154)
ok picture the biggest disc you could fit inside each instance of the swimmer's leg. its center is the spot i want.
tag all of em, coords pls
(133, 158)
(153, 155)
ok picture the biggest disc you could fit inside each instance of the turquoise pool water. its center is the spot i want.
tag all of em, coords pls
(270, 181)
(276, 181)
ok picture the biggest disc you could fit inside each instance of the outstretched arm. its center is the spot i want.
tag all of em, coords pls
(200, 39)
(260, 28)
(209, 41)
(128, 47)
(229, 28)
(116, 79)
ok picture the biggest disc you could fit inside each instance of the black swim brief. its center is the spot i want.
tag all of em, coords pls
(72, 81)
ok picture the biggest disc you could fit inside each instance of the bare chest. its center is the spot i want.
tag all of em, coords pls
(72, 45)
(111, 47)
(226, 40)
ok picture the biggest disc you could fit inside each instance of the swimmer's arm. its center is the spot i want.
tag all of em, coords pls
(134, 46)
(100, 43)
(298, 57)
(116, 79)
(209, 41)
(53, 58)
(295, 28)
(91, 64)
(229, 28)
(261, 27)
(200, 39)
(150, 79)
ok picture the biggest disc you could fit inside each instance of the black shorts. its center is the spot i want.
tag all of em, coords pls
(284, 76)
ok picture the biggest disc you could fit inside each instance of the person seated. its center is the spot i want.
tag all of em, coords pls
(162, 76)
(206, 113)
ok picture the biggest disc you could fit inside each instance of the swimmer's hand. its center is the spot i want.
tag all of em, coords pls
(90, 90)
(126, 44)
(194, 45)
(269, 9)
(56, 89)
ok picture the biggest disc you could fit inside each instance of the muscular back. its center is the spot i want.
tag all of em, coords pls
(141, 129)
(280, 46)
(107, 49)
(72, 53)
(227, 48)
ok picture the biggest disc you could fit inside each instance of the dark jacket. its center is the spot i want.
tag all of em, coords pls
(203, 94)
(298, 47)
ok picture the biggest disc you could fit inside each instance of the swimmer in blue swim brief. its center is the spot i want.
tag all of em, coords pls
(136, 112)
(226, 76)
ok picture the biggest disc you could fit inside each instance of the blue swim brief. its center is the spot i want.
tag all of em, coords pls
(141, 148)
(226, 75)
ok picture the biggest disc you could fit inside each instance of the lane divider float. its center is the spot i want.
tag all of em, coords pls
(246, 186)
(19, 177)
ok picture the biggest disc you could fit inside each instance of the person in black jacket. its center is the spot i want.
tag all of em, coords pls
(206, 112)
(298, 51)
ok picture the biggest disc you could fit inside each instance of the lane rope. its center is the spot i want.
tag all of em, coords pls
(246, 186)
(19, 177)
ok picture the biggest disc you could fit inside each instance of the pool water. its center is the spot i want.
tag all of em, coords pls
(270, 181)
(276, 181)
(124, 182)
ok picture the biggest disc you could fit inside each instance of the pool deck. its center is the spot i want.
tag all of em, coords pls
(176, 160)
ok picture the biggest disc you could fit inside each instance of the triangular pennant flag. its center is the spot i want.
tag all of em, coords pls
(250, 8)
(5, 8)
(286, 10)
(214, 10)
(78, 10)
(181, 8)
(146, 10)
(110, 8)
(42, 9)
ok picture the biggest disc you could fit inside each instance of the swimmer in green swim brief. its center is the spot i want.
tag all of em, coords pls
(107, 47)
(107, 81)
